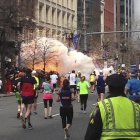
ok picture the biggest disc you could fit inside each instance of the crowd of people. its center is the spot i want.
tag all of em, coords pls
(106, 121)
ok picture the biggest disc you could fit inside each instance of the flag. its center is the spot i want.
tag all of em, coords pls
(75, 40)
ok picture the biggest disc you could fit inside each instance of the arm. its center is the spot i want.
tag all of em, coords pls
(72, 97)
(58, 98)
(95, 125)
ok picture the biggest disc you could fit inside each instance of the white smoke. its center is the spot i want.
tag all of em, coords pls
(66, 60)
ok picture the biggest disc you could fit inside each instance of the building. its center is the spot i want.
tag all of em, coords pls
(88, 21)
(109, 15)
(56, 17)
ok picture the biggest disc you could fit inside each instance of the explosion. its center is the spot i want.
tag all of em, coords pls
(54, 55)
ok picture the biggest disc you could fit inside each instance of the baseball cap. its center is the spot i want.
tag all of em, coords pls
(33, 72)
(116, 81)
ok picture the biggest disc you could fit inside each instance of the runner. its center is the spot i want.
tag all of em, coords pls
(65, 96)
(78, 78)
(92, 80)
(47, 97)
(84, 87)
(34, 74)
(72, 80)
(17, 92)
(27, 83)
(54, 79)
(101, 86)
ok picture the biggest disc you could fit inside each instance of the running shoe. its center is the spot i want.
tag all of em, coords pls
(30, 126)
(18, 115)
(65, 137)
(35, 112)
(67, 133)
(23, 122)
(50, 117)
(45, 118)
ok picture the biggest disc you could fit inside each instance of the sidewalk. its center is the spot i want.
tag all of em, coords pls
(7, 95)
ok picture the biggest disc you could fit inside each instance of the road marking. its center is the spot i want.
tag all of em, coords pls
(55, 115)
(40, 103)
(93, 104)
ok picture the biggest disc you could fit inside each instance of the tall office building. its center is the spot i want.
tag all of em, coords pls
(92, 21)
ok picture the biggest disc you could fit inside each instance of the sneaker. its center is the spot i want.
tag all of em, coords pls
(65, 137)
(50, 117)
(23, 122)
(67, 133)
(84, 112)
(30, 126)
(35, 112)
(45, 118)
(18, 115)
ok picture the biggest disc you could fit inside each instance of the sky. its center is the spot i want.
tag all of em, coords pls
(137, 9)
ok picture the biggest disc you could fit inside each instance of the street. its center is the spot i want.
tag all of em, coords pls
(49, 129)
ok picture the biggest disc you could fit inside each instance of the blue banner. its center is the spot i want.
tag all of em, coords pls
(75, 40)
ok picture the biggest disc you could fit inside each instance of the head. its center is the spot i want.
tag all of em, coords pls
(101, 72)
(47, 79)
(73, 71)
(28, 71)
(66, 84)
(34, 73)
(116, 84)
(79, 74)
(21, 74)
(83, 78)
(133, 74)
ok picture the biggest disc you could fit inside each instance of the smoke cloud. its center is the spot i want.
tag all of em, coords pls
(57, 56)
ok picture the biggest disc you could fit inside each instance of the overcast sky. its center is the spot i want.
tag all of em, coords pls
(137, 9)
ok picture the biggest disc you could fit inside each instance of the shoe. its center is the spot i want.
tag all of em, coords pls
(18, 115)
(67, 133)
(50, 117)
(45, 118)
(23, 122)
(65, 137)
(30, 126)
(35, 112)
(84, 112)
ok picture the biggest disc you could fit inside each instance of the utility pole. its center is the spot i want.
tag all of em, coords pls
(85, 32)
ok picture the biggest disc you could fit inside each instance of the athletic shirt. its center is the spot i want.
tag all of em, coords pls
(134, 86)
(47, 91)
(54, 78)
(83, 86)
(65, 97)
(100, 81)
(27, 85)
(72, 79)
(92, 78)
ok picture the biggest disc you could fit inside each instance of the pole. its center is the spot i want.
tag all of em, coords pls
(85, 37)
(111, 32)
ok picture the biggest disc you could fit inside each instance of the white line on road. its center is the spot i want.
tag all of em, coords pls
(55, 115)
(40, 103)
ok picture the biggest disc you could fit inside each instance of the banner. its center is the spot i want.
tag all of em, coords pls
(75, 40)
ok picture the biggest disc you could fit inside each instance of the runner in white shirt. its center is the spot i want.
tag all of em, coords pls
(72, 80)
(54, 78)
